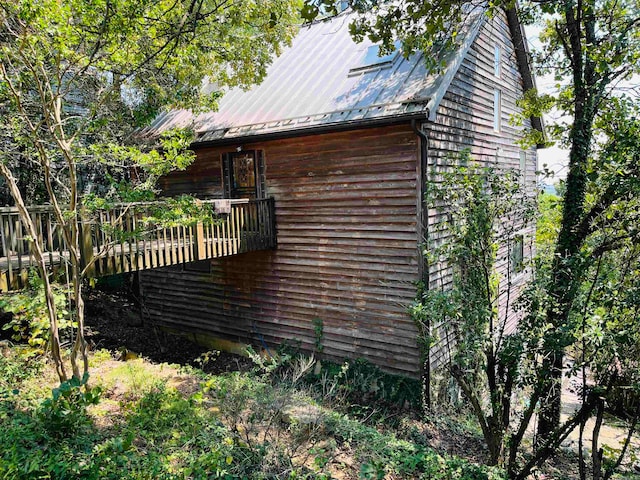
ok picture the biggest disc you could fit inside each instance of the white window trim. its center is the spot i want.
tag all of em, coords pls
(497, 110)
(497, 61)
(523, 167)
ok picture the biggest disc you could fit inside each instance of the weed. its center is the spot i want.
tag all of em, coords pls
(99, 357)
(318, 330)
(64, 413)
(134, 375)
(253, 426)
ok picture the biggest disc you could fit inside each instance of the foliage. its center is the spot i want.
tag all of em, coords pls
(17, 366)
(79, 78)
(318, 331)
(485, 208)
(548, 222)
(502, 375)
(64, 414)
(360, 385)
(29, 320)
(355, 384)
(233, 426)
(602, 361)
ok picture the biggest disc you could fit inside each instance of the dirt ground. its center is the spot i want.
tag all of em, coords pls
(114, 322)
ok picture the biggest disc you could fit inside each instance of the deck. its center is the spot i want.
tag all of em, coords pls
(123, 239)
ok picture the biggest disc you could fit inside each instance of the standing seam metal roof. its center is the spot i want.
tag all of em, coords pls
(313, 84)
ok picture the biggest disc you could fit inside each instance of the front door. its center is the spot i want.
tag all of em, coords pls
(241, 174)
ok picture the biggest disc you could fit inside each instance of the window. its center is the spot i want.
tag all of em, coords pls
(497, 110)
(523, 167)
(517, 254)
(497, 58)
(371, 61)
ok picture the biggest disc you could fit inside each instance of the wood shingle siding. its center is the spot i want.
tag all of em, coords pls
(465, 121)
(347, 253)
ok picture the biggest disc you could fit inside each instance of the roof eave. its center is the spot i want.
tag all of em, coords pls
(314, 130)
(522, 56)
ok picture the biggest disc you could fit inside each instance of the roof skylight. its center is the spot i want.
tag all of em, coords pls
(371, 60)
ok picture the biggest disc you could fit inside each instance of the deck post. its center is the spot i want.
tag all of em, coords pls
(86, 247)
(199, 243)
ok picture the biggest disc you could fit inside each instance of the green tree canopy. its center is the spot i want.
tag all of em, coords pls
(78, 77)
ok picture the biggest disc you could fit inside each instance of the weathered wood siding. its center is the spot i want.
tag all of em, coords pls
(203, 178)
(346, 212)
(465, 121)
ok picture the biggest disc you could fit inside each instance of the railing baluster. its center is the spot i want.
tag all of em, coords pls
(235, 226)
(50, 239)
(142, 259)
(252, 241)
(6, 248)
(15, 227)
(249, 226)
(159, 246)
(166, 259)
(227, 233)
(191, 244)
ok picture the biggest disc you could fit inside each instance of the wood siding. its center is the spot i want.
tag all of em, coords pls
(347, 210)
(465, 121)
(202, 179)
(346, 213)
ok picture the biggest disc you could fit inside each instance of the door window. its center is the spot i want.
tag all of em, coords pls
(240, 175)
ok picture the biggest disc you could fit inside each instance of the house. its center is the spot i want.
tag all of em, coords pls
(343, 141)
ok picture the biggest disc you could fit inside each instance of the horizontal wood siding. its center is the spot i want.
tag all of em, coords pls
(346, 210)
(465, 121)
(202, 179)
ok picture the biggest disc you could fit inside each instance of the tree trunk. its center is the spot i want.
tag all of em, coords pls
(566, 267)
(52, 311)
(80, 349)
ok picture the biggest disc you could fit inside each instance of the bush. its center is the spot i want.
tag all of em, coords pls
(65, 413)
(29, 320)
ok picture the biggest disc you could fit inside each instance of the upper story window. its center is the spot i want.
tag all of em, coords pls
(497, 60)
(497, 110)
(517, 254)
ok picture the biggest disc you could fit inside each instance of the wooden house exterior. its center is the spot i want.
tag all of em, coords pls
(348, 186)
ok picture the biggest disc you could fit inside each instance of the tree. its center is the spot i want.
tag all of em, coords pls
(490, 206)
(78, 77)
(497, 371)
(591, 46)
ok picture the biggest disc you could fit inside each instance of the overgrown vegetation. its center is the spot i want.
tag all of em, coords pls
(485, 211)
(498, 364)
(30, 318)
(144, 421)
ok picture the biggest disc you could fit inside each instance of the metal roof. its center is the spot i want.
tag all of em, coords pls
(323, 79)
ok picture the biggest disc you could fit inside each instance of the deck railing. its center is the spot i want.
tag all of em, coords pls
(124, 238)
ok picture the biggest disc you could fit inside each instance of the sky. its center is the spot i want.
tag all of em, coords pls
(555, 158)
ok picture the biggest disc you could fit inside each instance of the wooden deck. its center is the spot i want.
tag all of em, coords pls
(123, 239)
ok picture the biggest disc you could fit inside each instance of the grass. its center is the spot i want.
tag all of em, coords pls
(139, 420)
